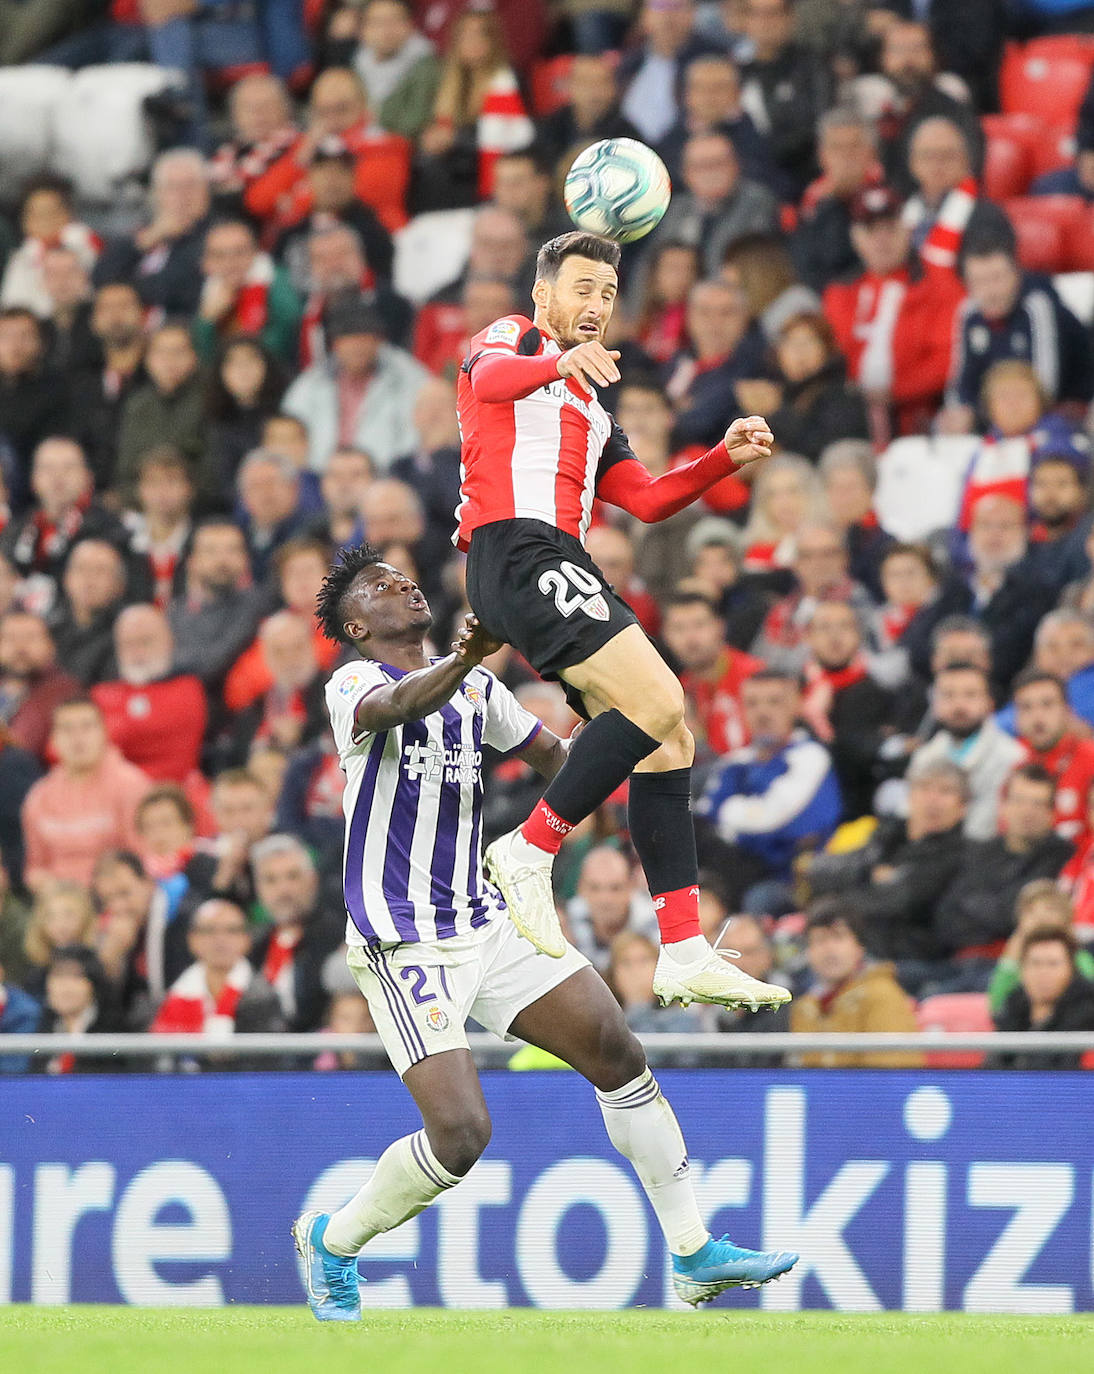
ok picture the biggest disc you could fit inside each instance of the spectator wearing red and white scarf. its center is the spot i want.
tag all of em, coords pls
(244, 293)
(948, 204)
(262, 130)
(46, 220)
(291, 954)
(220, 993)
(712, 672)
(1046, 726)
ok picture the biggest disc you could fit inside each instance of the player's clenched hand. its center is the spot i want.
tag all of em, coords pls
(590, 364)
(472, 643)
(749, 439)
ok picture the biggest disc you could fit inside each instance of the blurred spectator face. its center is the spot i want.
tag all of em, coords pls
(299, 579)
(786, 500)
(769, 23)
(846, 154)
(1063, 646)
(218, 937)
(547, 701)
(770, 711)
(333, 182)
(882, 245)
(695, 636)
(1026, 811)
(229, 253)
(936, 803)
(499, 245)
(484, 302)
(259, 108)
(997, 534)
(713, 914)
(711, 169)
(634, 959)
(287, 886)
(121, 892)
(1057, 494)
(242, 808)
(385, 28)
(472, 40)
(645, 416)
(820, 561)
(1012, 400)
(180, 191)
(521, 188)
(993, 282)
(26, 647)
(833, 635)
(78, 737)
(163, 828)
(94, 577)
(243, 371)
(170, 360)
(833, 952)
(65, 278)
(9, 584)
(45, 214)
(117, 317)
(850, 498)
(143, 645)
(60, 476)
(906, 581)
(605, 885)
(801, 352)
(345, 481)
(712, 92)
(961, 701)
(349, 1013)
(961, 646)
(668, 23)
(165, 493)
(335, 260)
(289, 650)
(938, 158)
(268, 490)
(69, 991)
(287, 435)
(907, 59)
(716, 319)
(1046, 972)
(392, 513)
(1042, 714)
(612, 551)
(592, 89)
(64, 916)
(356, 354)
(715, 567)
(747, 936)
(435, 413)
(20, 345)
(337, 102)
(268, 763)
(675, 272)
(218, 559)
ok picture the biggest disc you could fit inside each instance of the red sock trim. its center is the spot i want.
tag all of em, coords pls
(677, 914)
(545, 829)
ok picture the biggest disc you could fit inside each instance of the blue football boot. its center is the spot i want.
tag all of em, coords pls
(720, 1265)
(330, 1281)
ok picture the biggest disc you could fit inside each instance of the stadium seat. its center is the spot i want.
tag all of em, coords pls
(919, 484)
(550, 84)
(1053, 150)
(1079, 242)
(1076, 290)
(431, 251)
(1008, 166)
(28, 96)
(1047, 78)
(954, 1011)
(1043, 224)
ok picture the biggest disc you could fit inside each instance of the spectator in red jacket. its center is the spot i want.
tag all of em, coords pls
(895, 323)
(440, 340)
(1046, 727)
(31, 681)
(262, 130)
(156, 719)
(339, 107)
(712, 672)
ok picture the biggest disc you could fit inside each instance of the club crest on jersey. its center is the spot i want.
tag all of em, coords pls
(351, 685)
(436, 1018)
(503, 331)
(596, 608)
(475, 697)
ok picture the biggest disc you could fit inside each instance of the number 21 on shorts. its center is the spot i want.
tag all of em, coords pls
(574, 588)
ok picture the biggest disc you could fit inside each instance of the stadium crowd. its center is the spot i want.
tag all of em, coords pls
(886, 640)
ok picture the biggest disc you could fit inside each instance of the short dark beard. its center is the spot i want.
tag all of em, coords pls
(963, 732)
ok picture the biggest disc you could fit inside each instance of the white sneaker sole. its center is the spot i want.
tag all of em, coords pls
(668, 990)
(547, 935)
(695, 1294)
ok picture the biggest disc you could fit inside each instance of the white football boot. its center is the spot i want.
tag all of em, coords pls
(524, 880)
(713, 978)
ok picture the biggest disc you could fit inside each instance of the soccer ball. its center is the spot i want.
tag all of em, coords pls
(618, 188)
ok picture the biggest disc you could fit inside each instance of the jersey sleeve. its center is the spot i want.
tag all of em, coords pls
(509, 726)
(504, 362)
(344, 693)
(624, 480)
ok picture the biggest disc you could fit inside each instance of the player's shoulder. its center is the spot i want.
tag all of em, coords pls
(348, 680)
(504, 333)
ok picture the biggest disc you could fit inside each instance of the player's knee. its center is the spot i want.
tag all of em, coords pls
(662, 712)
(460, 1140)
(622, 1058)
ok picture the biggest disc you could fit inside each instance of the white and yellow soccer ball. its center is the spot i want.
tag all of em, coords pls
(619, 188)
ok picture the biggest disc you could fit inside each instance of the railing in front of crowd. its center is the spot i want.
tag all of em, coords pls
(690, 1051)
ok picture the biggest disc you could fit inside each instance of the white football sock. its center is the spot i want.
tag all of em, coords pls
(643, 1128)
(688, 951)
(405, 1181)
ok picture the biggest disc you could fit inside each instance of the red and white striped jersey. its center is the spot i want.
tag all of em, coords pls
(536, 457)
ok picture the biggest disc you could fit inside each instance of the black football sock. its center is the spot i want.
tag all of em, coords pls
(659, 816)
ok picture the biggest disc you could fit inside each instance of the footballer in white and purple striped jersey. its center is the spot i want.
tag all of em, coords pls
(413, 806)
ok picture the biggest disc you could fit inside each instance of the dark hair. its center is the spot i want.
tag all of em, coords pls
(120, 858)
(689, 599)
(917, 551)
(81, 699)
(21, 312)
(963, 667)
(1031, 772)
(648, 382)
(168, 792)
(234, 222)
(1028, 676)
(776, 675)
(575, 244)
(834, 911)
(215, 522)
(329, 609)
(89, 964)
(164, 458)
(298, 545)
(222, 405)
(959, 625)
(1051, 935)
(58, 186)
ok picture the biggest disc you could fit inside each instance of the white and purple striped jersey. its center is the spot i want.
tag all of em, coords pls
(413, 805)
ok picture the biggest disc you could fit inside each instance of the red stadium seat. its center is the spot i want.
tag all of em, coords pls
(1053, 150)
(1007, 167)
(1047, 78)
(954, 1011)
(1040, 240)
(550, 84)
(1079, 242)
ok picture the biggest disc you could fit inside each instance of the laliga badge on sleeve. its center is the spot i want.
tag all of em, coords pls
(351, 685)
(503, 331)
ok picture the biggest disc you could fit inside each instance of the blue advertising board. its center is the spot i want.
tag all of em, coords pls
(901, 1190)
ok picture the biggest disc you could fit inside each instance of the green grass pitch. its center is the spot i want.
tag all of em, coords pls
(281, 1340)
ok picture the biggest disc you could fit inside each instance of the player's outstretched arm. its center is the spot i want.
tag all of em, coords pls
(546, 753)
(748, 440)
(421, 693)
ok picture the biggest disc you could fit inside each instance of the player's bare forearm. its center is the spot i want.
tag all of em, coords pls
(546, 753)
(426, 690)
